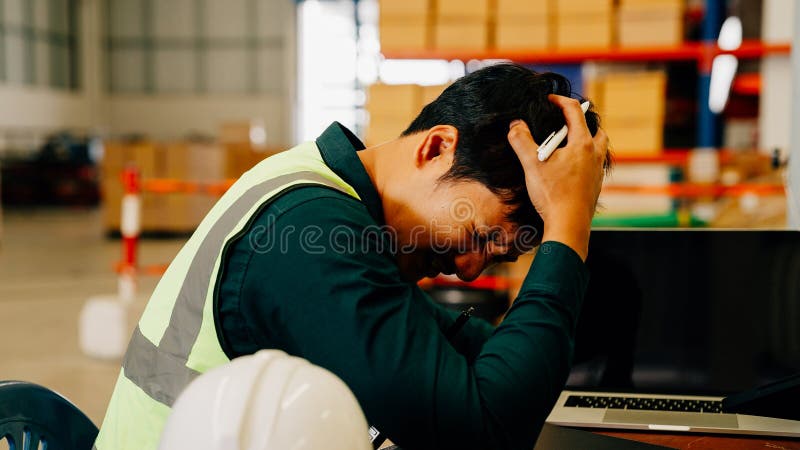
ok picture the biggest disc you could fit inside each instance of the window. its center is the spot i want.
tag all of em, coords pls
(327, 56)
(38, 43)
(197, 46)
(339, 55)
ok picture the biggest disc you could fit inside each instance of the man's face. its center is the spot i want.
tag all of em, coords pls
(457, 227)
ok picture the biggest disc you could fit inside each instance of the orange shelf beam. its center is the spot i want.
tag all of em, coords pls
(687, 52)
(747, 84)
(170, 186)
(691, 190)
(675, 157)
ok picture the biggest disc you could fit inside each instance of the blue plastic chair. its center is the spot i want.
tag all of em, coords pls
(33, 417)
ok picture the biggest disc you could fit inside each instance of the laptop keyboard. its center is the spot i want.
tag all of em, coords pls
(644, 403)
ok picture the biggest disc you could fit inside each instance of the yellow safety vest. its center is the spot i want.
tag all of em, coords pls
(176, 338)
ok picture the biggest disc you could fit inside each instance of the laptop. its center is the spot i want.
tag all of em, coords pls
(675, 320)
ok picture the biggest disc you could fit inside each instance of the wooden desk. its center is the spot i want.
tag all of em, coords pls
(694, 441)
(706, 441)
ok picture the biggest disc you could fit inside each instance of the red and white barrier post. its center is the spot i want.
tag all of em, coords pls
(105, 320)
(130, 228)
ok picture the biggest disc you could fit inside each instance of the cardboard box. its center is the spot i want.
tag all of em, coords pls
(638, 94)
(634, 136)
(471, 9)
(522, 33)
(430, 93)
(641, 25)
(593, 91)
(405, 7)
(239, 158)
(405, 34)
(179, 212)
(674, 3)
(383, 129)
(184, 211)
(235, 132)
(207, 162)
(461, 35)
(148, 158)
(154, 211)
(115, 156)
(196, 162)
(111, 198)
(203, 162)
(393, 100)
(623, 204)
(579, 31)
(572, 7)
(190, 161)
(526, 8)
(640, 175)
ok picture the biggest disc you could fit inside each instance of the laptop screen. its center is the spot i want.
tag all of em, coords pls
(689, 311)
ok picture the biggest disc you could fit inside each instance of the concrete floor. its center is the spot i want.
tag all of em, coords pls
(51, 262)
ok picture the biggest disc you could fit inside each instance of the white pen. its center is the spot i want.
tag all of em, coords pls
(554, 140)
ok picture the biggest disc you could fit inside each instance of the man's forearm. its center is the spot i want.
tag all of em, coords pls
(524, 365)
(571, 230)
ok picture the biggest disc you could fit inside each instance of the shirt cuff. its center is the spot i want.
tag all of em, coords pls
(557, 271)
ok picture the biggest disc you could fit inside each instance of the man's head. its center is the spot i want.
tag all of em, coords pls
(467, 204)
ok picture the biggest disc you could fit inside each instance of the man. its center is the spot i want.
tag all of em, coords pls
(316, 252)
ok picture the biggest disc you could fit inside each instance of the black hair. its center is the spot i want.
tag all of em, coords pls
(481, 106)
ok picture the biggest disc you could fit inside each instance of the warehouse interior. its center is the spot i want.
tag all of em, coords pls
(123, 122)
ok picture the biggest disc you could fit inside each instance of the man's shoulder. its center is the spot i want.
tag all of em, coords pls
(314, 203)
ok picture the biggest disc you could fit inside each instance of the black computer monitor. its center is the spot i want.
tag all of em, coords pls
(689, 311)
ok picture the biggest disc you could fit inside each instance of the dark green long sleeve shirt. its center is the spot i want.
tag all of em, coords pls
(328, 290)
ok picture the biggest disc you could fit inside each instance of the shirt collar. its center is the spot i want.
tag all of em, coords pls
(338, 147)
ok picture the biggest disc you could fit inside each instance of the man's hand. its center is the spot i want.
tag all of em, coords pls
(564, 189)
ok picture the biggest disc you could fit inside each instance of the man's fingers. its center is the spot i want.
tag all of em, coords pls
(521, 140)
(576, 121)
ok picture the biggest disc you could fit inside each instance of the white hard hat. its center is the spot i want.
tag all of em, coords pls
(266, 401)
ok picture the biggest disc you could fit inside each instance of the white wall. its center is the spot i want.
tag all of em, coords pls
(170, 117)
(775, 102)
(38, 110)
(41, 108)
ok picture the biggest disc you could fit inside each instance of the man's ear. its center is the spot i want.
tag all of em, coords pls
(439, 144)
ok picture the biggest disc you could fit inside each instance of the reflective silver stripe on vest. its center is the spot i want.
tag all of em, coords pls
(160, 375)
(161, 371)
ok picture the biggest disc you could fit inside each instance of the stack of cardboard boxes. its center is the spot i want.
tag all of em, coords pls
(584, 24)
(242, 151)
(173, 212)
(632, 106)
(523, 25)
(519, 25)
(391, 108)
(405, 24)
(162, 212)
(654, 23)
(197, 162)
(462, 25)
(147, 157)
